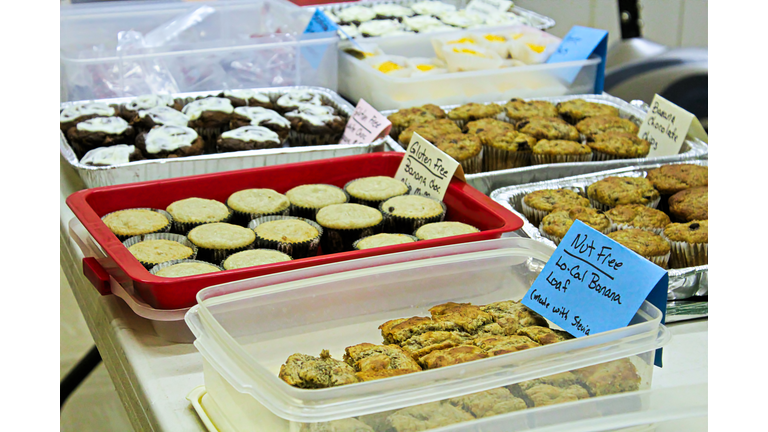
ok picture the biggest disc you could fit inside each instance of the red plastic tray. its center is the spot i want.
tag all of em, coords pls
(465, 204)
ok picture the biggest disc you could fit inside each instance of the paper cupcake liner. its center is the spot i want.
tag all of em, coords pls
(184, 227)
(297, 250)
(660, 260)
(686, 254)
(495, 159)
(598, 156)
(370, 203)
(555, 239)
(541, 159)
(210, 136)
(215, 256)
(354, 245)
(395, 132)
(221, 264)
(161, 266)
(161, 236)
(604, 207)
(342, 240)
(244, 218)
(533, 215)
(299, 139)
(311, 212)
(407, 225)
(258, 146)
(616, 227)
(473, 165)
(164, 229)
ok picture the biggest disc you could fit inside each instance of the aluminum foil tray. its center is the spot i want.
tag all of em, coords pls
(683, 283)
(156, 169)
(636, 110)
(537, 20)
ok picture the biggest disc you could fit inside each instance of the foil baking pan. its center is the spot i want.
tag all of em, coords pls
(157, 169)
(536, 20)
(683, 282)
(636, 111)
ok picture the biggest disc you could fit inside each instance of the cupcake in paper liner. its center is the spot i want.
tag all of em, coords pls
(394, 66)
(467, 150)
(249, 204)
(307, 200)
(644, 243)
(254, 257)
(437, 230)
(313, 125)
(556, 224)
(191, 212)
(291, 235)
(424, 66)
(505, 149)
(614, 191)
(215, 241)
(559, 151)
(344, 224)
(209, 117)
(443, 43)
(531, 46)
(383, 239)
(472, 111)
(153, 249)
(405, 214)
(407, 117)
(540, 203)
(137, 221)
(689, 243)
(628, 216)
(372, 191)
(184, 268)
(467, 57)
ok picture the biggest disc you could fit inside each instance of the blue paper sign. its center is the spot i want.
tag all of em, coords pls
(579, 44)
(592, 284)
(319, 23)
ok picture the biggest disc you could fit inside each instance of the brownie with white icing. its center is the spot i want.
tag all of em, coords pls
(209, 115)
(380, 27)
(247, 138)
(99, 132)
(258, 116)
(112, 155)
(74, 114)
(130, 110)
(247, 97)
(291, 100)
(315, 125)
(159, 116)
(355, 15)
(392, 11)
(170, 141)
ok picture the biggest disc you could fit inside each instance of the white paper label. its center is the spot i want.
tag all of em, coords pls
(365, 125)
(426, 169)
(667, 125)
(488, 7)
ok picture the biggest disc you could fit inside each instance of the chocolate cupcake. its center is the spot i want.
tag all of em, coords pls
(592, 126)
(488, 125)
(315, 125)
(518, 109)
(133, 222)
(644, 243)
(383, 239)
(184, 268)
(549, 128)
(618, 145)
(215, 241)
(443, 229)
(473, 111)
(170, 142)
(467, 150)
(293, 99)
(209, 116)
(613, 191)
(690, 204)
(307, 200)
(430, 130)
(159, 116)
(689, 242)
(251, 98)
(247, 138)
(113, 155)
(99, 132)
(344, 224)
(191, 212)
(153, 249)
(294, 236)
(130, 110)
(74, 114)
(540, 203)
(257, 116)
(372, 191)
(576, 110)
(405, 214)
(254, 257)
(249, 204)
(559, 151)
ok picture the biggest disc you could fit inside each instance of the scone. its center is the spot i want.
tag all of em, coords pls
(645, 243)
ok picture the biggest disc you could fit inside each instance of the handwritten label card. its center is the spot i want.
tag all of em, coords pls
(579, 44)
(592, 284)
(426, 169)
(667, 125)
(488, 7)
(365, 125)
(319, 23)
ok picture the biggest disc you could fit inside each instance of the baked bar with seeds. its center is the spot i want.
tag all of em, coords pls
(305, 371)
(399, 330)
(498, 345)
(489, 403)
(516, 312)
(343, 425)
(369, 357)
(561, 380)
(426, 416)
(371, 375)
(542, 335)
(425, 343)
(452, 356)
(468, 317)
(544, 394)
(613, 377)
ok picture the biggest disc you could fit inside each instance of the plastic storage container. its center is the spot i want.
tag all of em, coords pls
(245, 335)
(136, 48)
(387, 92)
(464, 203)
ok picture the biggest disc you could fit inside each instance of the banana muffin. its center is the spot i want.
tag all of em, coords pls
(248, 204)
(443, 229)
(344, 224)
(404, 214)
(637, 216)
(645, 243)
(592, 126)
(191, 212)
(372, 191)
(488, 125)
(618, 145)
(518, 109)
(576, 110)
(550, 128)
(547, 151)
(254, 257)
(307, 199)
(132, 222)
(467, 150)
(153, 249)
(430, 130)
(217, 240)
(671, 179)
(613, 191)
(294, 236)
(690, 204)
(183, 268)
(505, 149)
(538, 204)
(689, 242)
(406, 117)
(383, 239)
(473, 111)
(555, 225)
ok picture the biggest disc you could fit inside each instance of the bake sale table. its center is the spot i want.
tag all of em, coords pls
(153, 376)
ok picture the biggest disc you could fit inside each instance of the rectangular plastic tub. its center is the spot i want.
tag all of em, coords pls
(387, 92)
(245, 335)
(236, 44)
(464, 203)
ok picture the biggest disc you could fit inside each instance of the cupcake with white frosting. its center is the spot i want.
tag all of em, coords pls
(170, 141)
(292, 99)
(247, 138)
(392, 11)
(247, 97)
(74, 114)
(99, 132)
(209, 116)
(112, 155)
(380, 27)
(130, 110)
(355, 15)
(433, 8)
(159, 116)
(315, 125)
(258, 116)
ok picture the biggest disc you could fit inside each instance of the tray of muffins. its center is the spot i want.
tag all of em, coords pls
(167, 239)
(151, 137)
(525, 140)
(658, 211)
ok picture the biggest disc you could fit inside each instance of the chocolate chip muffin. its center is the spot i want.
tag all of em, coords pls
(488, 125)
(538, 204)
(671, 179)
(430, 130)
(592, 126)
(466, 149)
(547, 151)
(505, 149)
(613, 191)
(473, 111)
(689, 242)
(690, 204)
(644, 243)
(406, 117)
(555, 225)
(518, 109)
(550, 128)
(637, 216)
(618, 145)
(576, 110)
